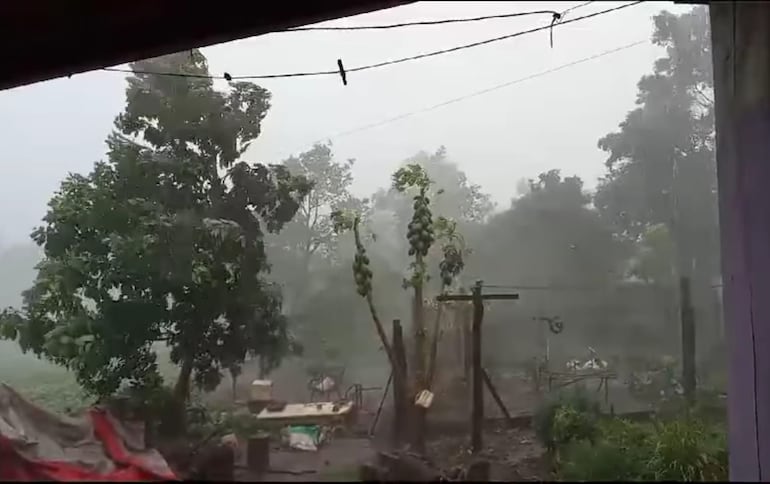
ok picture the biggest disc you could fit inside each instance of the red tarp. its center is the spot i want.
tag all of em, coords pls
(36, 445)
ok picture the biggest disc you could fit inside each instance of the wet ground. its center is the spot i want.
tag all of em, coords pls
(336, 460)
(514, 454)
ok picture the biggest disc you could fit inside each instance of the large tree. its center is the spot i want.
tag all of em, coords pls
(164, 240)
(308, 243)
(661, 162)
(550, 235)
(460, 200)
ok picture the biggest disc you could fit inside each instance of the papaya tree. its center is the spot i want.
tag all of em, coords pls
(423, 232)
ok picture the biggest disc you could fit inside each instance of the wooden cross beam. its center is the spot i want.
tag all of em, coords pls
(477, 298)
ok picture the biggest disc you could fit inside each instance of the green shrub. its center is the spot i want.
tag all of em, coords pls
(568, 417)
(687, 450)
(602, 461)
(681, 450)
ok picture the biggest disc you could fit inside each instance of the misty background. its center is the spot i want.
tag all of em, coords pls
(59, 126)
(502, 140)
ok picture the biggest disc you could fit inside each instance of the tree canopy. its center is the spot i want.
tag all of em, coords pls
(661, 167)
(550, 235)
(308, 242)
(164, 240)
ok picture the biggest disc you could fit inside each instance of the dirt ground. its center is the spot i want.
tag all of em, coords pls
(514, 454)
(337, 460)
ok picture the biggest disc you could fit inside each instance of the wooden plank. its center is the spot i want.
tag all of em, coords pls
(740, 35)
(688, 340)
(399, 384)
(495, 395)
(469, 297)
(477, 415)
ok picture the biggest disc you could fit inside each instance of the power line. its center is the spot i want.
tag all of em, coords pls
(562, 287)
(379, 64)
(426, 22)
(572, 9)
(485, 91)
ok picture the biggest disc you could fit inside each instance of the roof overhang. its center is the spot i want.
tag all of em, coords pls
(43, 40)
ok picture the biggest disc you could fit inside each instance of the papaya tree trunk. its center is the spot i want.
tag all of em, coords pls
(419, 382)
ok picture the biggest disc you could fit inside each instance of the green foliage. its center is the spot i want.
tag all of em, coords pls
(661, 161)
(583, 461)
(420, 233)
(655, 260)
(156, 244)
(309, 243)
(678, 450)
(460, 199)
(551, 235)
(569, 416)
(689, 451)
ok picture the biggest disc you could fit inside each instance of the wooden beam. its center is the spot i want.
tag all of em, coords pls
(46, 39)
(496, 396)
(469, 297)
(477, 417)
(740, 34)
(688, 340)
(400, 405)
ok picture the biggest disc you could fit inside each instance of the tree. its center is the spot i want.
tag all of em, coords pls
(164, 240)
(551, 235)
(655, 259)
(422, 234)
(662, 165)
(310, 237)
(461, 200)
(661, 162)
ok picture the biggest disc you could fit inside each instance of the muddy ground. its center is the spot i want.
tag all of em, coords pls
(514, 454)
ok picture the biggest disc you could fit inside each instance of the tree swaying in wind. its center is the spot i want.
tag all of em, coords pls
(422, 234)
(163, 241)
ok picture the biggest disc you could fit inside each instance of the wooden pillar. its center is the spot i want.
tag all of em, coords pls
(741, 54)
(688, 340)
(477, 417)
(399, 385)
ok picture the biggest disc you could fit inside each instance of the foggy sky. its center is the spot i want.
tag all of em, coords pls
(553, 121)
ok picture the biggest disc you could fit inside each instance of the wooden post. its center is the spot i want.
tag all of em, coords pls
(688, 340)
(399, 384)
(258, 453)
(477, 416)
(496, 396)
(373, 427)
(477, 412)
(740, 33)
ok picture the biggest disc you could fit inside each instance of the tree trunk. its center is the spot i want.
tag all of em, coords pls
(182, 387)
(234, 378)
(400, 392)
(420, 358)
(173, 421)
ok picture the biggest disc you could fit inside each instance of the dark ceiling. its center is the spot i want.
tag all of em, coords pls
(45, 39)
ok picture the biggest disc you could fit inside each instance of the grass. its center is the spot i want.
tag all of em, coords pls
(52, 387)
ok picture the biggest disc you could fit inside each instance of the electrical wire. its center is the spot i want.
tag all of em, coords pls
(547, 287)
(572, 9)
(426, 22)
(485, 91)
(379, 64)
